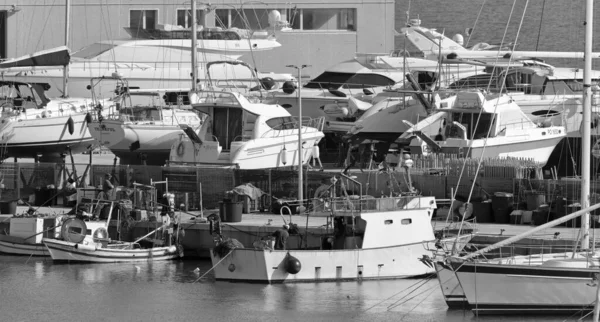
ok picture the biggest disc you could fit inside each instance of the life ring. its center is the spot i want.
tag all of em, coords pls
(100, 233)
(180, 149)
(71, 125)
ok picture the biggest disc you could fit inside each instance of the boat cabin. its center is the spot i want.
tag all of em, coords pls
(16, 96)
(232, 118)
(368, 222)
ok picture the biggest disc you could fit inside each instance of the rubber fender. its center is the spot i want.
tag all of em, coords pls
(89, 248)
(292, 265)
(71, 125)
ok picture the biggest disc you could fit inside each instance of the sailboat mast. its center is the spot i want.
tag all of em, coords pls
(586, 124)
(67, 33)
(194, 46)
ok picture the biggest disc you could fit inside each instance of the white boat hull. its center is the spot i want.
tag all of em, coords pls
(155, 141)
(27, 137)
(67, 251)
(533, 147)
(260, 153)
(268, 266)
(518, 289)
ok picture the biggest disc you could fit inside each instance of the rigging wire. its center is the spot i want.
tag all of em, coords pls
(475, 24)
(37, 45)
(540, 29)
(479, 118)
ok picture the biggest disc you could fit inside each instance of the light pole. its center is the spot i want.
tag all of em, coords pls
(300, 149)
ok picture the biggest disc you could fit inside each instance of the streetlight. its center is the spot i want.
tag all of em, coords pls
(300, 149)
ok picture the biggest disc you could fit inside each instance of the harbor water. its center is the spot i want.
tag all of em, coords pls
(35, 289)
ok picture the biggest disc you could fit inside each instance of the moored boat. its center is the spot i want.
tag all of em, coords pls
(76, 246)
(372, 239)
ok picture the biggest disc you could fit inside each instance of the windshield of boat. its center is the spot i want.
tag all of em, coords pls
(336, 80)
(22, 95)
(92, 50)
(283, 123)
(469, 121)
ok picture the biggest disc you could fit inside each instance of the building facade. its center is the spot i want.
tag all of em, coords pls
(322, 34)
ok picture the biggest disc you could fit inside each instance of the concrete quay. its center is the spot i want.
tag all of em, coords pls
(254, 226)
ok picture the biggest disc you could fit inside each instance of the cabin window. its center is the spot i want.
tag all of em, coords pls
(254, 19)
(388, 222)
(75, 230)
(298, 19)
(406, 221)
(143, 19)
(469, 120)
(184, 18)
(282, 123)
(348, 80)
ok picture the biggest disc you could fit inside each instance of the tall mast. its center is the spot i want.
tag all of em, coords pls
(67, 33)
(194, 46)
(586, 124)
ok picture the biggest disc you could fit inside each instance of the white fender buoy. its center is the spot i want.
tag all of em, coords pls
(315, 151)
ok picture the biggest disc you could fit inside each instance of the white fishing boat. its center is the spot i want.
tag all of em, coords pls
(475, 125)
(89, 242)
(373, 239)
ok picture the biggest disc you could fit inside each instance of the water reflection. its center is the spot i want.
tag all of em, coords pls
(165, 291)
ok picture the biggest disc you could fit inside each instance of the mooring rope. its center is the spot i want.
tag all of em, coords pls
(199, 278)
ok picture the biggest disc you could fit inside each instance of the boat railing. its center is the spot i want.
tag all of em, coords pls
(534, 252)
(354, 205)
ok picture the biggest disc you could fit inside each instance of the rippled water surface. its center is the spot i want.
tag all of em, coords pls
(34, 289)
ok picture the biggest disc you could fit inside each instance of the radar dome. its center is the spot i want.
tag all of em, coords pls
(274, 17)
(458, 38)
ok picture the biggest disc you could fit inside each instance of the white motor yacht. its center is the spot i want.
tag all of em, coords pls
(243, 132)
(473, 124)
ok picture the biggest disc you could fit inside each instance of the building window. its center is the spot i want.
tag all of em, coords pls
(298, 19)
(143, 19)
(254, 19)
(184, 17)
(328, 19)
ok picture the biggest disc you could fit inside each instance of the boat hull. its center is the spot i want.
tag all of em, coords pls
(72, 252)
(28, 137)
(453, 293)
(268, 266)
(155, 141)
(526, 289)
(263, 153)
(536, 148)
(12, 248)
